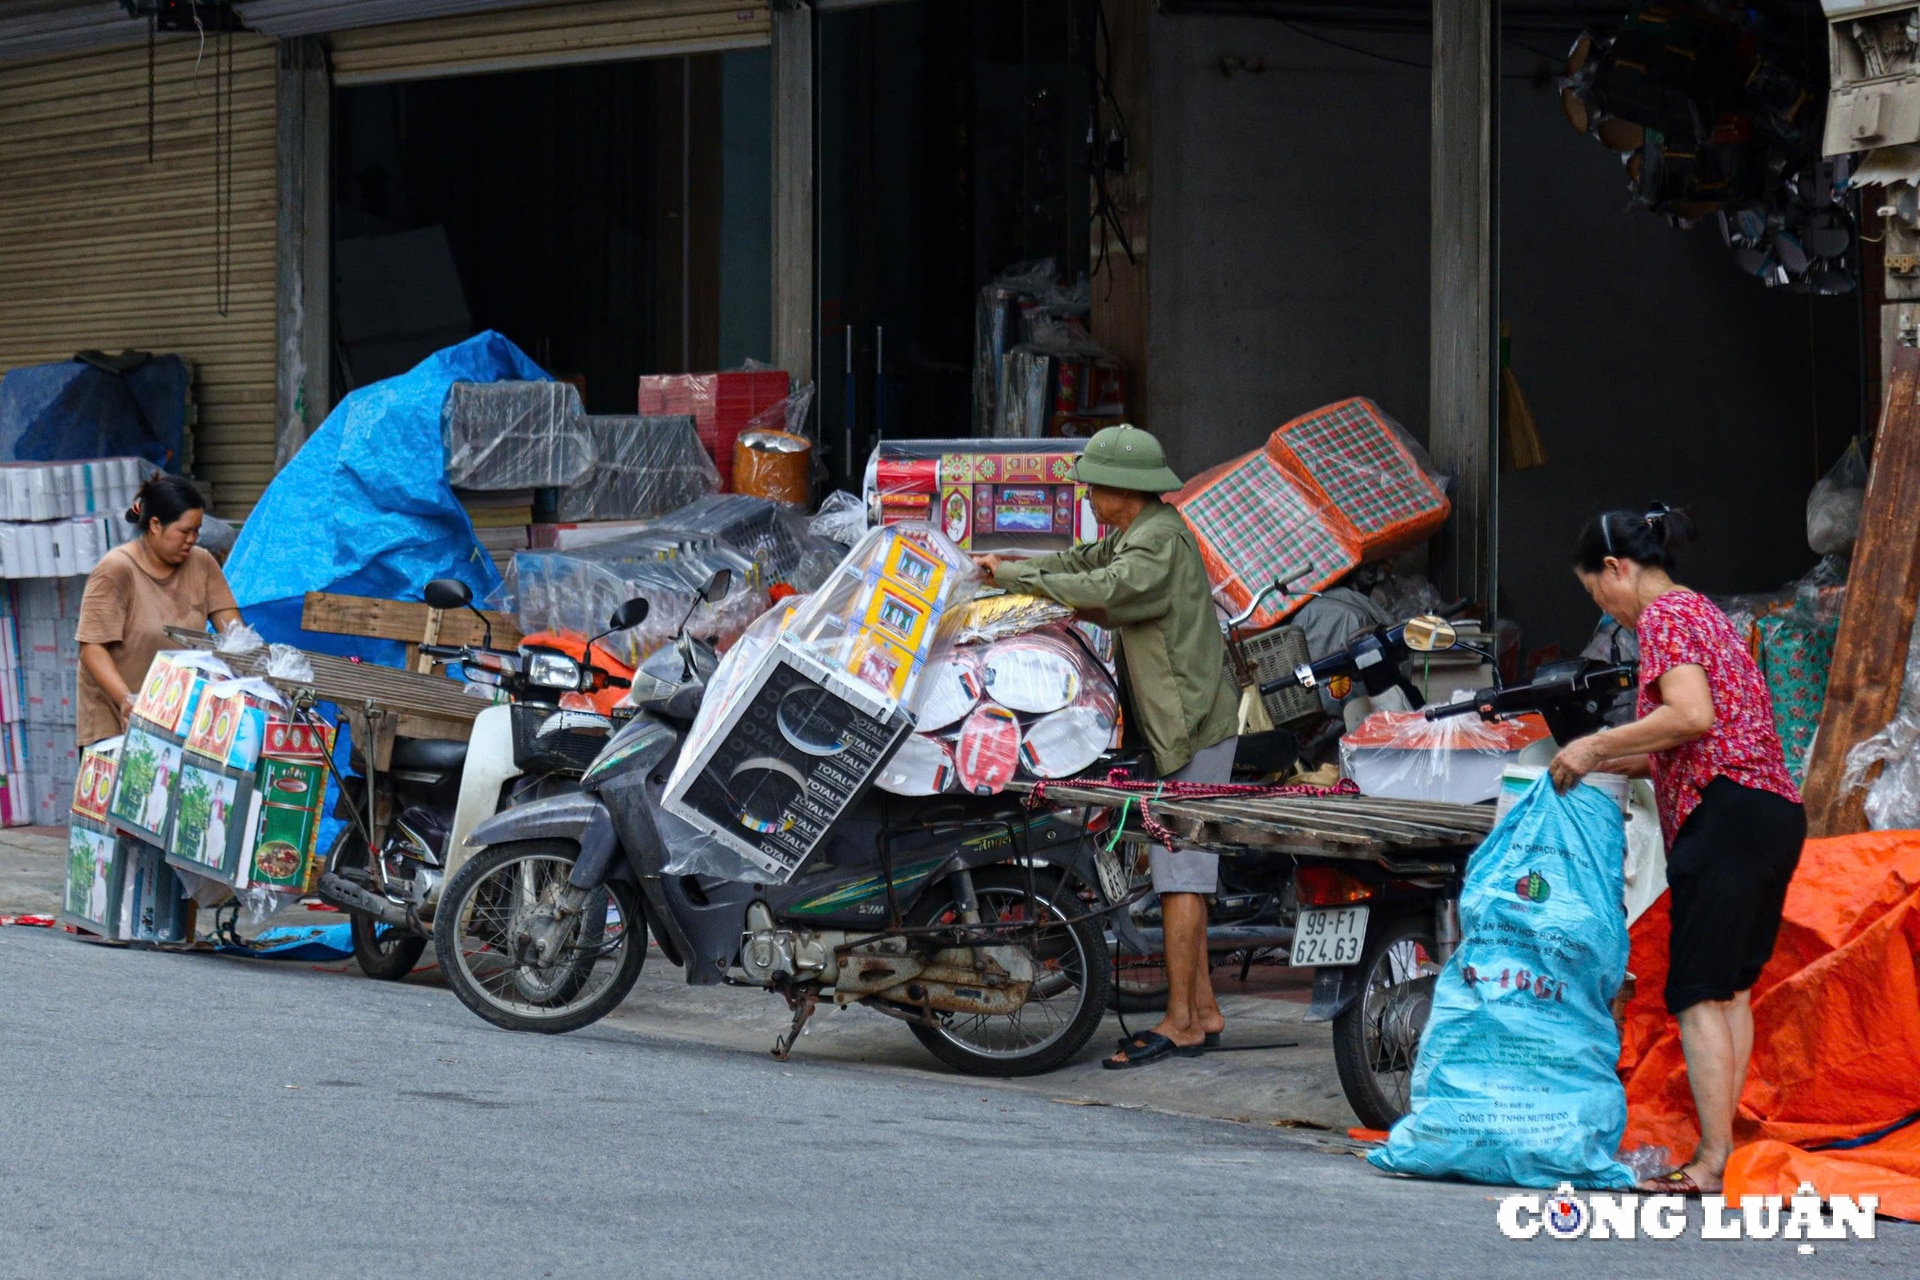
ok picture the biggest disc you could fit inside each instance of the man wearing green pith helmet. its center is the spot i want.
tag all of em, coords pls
(1145, 581)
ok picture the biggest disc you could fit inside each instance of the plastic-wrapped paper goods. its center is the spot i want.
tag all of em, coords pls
(1893, 798)
(515, 435)
(1402, 755)
(644, 467)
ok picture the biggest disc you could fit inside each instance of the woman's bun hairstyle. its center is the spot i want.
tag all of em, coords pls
(164, 498)
(1652, 537)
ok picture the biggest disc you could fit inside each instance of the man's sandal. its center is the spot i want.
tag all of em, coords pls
(1212, 1041)
(1150, 1046)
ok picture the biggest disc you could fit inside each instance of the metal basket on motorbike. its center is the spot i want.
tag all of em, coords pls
(1273, 654)
(561, 749)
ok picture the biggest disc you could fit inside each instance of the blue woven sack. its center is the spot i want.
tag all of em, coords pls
(1514, 1083)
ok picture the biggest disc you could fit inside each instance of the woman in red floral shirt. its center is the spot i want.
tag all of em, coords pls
(1730, 813)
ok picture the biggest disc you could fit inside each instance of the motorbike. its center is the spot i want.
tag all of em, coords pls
(405, 823)
(969, 919)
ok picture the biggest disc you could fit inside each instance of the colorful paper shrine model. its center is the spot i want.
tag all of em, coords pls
(984, 495)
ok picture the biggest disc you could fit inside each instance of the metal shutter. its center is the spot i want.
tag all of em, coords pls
(545, 35)
(101, 249)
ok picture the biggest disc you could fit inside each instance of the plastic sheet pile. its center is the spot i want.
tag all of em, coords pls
(1331, 489)
(984, 495)
(515, 435)
(1831, 1093)
(643, 468)
(1514, 1082)
(1402, 755)
(805, 710)
(131, 405)
(773, 537)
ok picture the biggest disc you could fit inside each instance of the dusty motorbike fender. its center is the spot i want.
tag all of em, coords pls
(562, 817)
(1334, 991)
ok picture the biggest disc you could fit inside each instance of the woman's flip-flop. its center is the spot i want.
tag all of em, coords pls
(1150, 1046)
(1212, 1041)
(1676, 1182)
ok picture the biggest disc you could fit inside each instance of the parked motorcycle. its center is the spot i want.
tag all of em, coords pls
(405, 822)
(1378, 933)
(966, 918)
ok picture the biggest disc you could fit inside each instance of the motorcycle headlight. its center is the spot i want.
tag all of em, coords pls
(553, 671)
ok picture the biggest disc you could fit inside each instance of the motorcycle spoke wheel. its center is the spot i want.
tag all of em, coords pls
(1376, 1042)
(1064, 1004)
(485, 936)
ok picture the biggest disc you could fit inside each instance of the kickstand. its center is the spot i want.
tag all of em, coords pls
(803, 1007)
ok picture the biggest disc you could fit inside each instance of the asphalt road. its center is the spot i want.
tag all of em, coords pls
(194, 1115)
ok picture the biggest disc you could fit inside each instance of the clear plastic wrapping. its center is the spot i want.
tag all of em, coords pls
(722, 404)
(515, 435)
(644, 467)
(1402, 755)
(1833, 508)
(772, 537)
(1893, 798)
(841, 519)
(808, 707)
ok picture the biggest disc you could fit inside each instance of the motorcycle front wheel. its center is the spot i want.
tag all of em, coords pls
(480, 931)
(1069, 994)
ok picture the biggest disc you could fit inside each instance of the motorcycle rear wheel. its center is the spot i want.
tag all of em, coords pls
(386, 952)
(1069, 997)
(1375, 1040)
(480, 913)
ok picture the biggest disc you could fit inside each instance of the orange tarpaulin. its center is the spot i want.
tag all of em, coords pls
(1836, 1051)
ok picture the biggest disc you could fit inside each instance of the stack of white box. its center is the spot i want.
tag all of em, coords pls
(40, 740)
(58, 518)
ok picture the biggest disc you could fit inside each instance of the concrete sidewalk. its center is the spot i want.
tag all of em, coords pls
(33, 870)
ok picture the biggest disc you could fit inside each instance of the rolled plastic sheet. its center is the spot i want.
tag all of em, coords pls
(515, 435)
(1034, 674)
(644, 467)
(949, 691)
(923, 766)
(988, 750)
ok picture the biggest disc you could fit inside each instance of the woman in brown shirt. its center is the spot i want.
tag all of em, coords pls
(161, 579)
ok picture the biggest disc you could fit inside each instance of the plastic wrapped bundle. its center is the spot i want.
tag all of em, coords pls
(1402, 755)
(984, 495)
(515, 435)
(1352, 457)
(644, 467)
(1256, 526)
(773, 538)
(575, 592)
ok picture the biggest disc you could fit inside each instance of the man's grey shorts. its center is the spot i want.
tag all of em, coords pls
(1194, 870)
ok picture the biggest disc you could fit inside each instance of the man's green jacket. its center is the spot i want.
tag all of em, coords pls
(1147, 583)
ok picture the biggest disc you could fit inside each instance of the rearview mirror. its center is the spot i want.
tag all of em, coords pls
(1428, 634)
(631, 614)
(717, 586)
(448, 593)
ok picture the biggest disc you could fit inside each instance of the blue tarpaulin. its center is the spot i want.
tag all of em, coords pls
(53, 412)
(364, 508)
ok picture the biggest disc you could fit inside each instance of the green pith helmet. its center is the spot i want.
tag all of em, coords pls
(1125, 457)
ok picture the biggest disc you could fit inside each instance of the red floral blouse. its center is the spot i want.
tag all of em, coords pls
(1683, 628)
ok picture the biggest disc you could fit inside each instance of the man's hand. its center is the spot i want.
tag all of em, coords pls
(988, 565)
(1575, 761)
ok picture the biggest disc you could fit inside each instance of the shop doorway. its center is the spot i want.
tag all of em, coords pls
(952, 145)
(612, 219)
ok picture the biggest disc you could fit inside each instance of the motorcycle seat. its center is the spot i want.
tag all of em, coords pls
(428, 755)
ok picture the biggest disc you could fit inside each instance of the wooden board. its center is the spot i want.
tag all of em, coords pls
(403, 620)
(1365, 827)
(1876, 623)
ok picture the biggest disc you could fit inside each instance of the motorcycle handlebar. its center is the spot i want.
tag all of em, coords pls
(444, 650)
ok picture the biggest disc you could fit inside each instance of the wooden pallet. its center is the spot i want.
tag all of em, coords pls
(1363, 827)
(408, 621)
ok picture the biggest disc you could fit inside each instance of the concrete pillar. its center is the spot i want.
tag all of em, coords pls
(793, 175)
(303, 359)
(1463, 350)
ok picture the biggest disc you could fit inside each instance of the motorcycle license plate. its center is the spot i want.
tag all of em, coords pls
(1329, 936)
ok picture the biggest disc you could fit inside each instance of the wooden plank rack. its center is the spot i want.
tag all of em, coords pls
(379, 703)
(1368, 828)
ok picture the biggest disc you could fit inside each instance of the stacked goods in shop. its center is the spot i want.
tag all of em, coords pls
(646, 466)
(804, 711)
(722, 405)
(1037, 704)
(502, 521)
(1331, 489)
(58, 518)
(502, 436)
(984, 495)
(37, 641)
